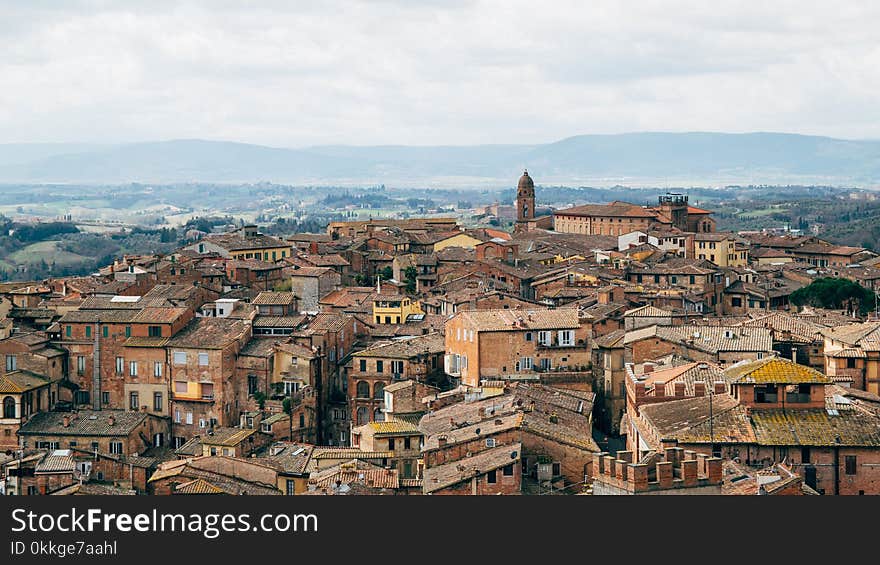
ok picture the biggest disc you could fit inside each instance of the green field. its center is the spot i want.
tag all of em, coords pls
(47, 251)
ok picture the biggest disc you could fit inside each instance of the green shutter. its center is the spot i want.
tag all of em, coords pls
(88, 331)
(106, 331)
(127, 331)
(68, 330)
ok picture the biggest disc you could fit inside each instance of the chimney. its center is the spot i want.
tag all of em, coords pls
(65, 421)
(554, 418)
(648, 368)
(111, 421)
(713, 470)
(441, 441)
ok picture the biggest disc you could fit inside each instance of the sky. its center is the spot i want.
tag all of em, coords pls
(432, 72)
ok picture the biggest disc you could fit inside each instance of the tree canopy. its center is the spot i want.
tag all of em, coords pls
(829, 292)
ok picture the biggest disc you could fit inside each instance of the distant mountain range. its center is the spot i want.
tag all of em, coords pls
(637, 159)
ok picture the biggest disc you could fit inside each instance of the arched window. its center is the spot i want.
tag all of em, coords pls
(378, 416)
(379, 391)
(9, 407)
(363, 415)
(363, 389)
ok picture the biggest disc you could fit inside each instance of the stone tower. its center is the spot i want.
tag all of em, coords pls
(525, 198)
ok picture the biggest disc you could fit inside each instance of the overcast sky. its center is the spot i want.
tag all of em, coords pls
(294, 74)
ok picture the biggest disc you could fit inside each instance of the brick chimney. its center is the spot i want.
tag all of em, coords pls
(664, 474)
(111, 421)
(65, 421)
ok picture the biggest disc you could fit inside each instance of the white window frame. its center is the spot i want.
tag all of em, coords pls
(178, 355)
(545, 337)
(157, 369)
(566, 338)
(204, 359)
(133, 368)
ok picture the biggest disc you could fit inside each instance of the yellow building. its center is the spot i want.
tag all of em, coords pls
(395, 309)
(721, 249)
(244, 243)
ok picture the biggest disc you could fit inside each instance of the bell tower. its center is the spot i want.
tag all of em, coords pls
(525, 198)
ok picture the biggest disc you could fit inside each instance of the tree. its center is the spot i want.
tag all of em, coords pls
(830, 292)
(387, 273)
(409, 277)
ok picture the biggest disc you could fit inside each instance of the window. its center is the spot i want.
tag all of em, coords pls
(88, 331)
(177, 416)
(105, 331)
(380, 366)
(805, 455)
(544, 338)
(391, 444)
(363, 365)
(491, 477)
(127, 331)
(290, 487)
(80, 364)
(766, 393)
(557, 469)
(180, 357)
(157, 401)
(82, 397)
(850, 463)
(525, 364)
(133, 402)
(154, 331)
(189, 419)
(851, 363)
(116, 447)
(528, 336)
(203, 359)
(407, 444)
(507, 471)
(11, 363)
(397, 367)
(157, 369)
(252, 384)
(9, 407)
(302, 420)
(67, 331)
(120, 365)
(105, 398)
(566, 337)
(133, 368)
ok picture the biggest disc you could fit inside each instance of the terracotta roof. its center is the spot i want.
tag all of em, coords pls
(84, 423)
(58, 461)
(199, 486)
(312, 271)
(20, 381)
(209, 333)
(269, 298)
(616, 209)
(395, 427)
(356, 471)
(229, 437)
(520, 319)
(816, 427)
(774, 370)
(711, 339)
(454, 472)
(405, 348)
(238, 242)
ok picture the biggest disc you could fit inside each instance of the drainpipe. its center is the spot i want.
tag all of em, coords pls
(96, 369)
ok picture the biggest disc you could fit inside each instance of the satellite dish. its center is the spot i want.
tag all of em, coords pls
(513, 454)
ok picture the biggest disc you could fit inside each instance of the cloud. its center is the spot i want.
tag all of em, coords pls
(299, 74)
